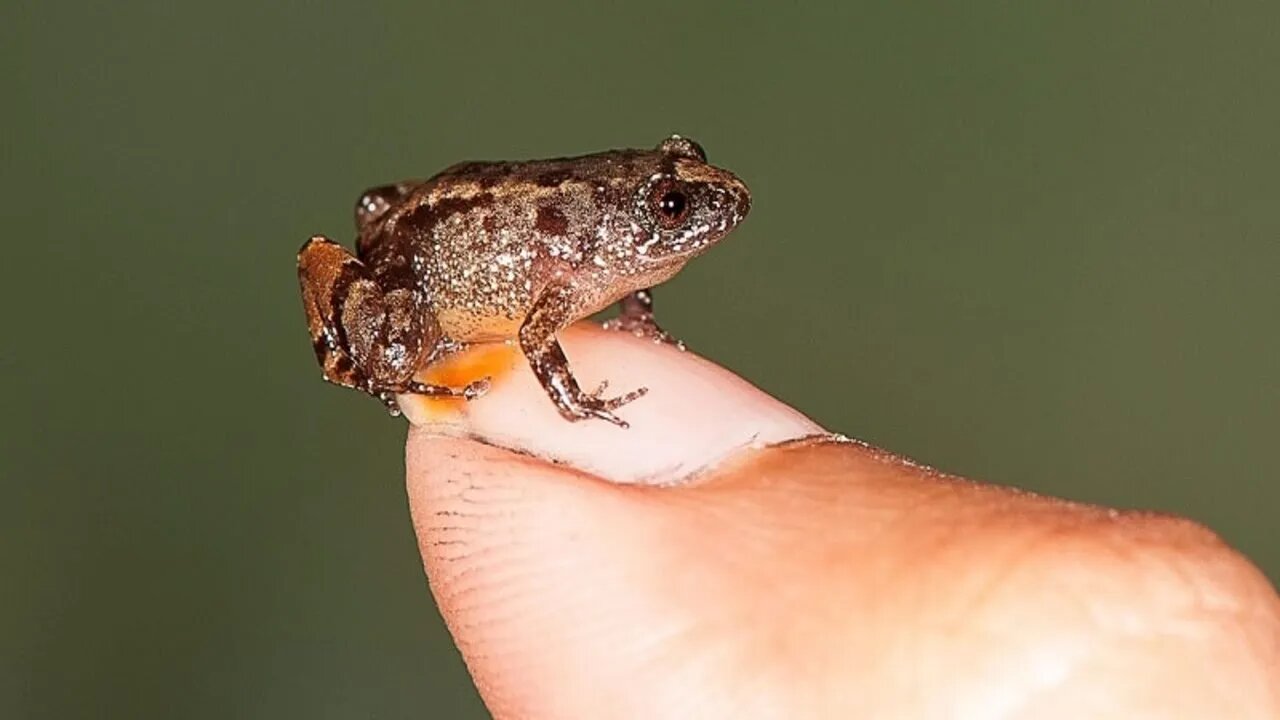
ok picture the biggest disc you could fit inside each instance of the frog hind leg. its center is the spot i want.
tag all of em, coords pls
(635, 316)
(365, 338)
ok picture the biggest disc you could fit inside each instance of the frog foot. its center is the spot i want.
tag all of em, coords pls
(643, 326)
(472, 391)
(591, 405)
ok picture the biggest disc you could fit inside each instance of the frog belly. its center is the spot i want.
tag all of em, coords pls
(466, 326)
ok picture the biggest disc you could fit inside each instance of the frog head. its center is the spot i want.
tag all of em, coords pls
(685, 205)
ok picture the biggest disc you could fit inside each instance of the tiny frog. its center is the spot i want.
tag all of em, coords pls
(497, 251)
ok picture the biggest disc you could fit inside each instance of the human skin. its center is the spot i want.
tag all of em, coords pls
(707, 563)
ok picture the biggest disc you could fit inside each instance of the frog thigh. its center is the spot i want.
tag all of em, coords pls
(325, 271)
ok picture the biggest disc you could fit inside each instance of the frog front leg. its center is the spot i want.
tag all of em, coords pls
(552, 311)
(364, 337)
(636, 317)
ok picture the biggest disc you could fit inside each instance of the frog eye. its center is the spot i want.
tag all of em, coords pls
(683, 147)
(670, 203)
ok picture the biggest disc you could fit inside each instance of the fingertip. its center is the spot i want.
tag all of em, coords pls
(692, 415)
(520, 553)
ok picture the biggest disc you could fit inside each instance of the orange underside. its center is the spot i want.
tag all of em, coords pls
(460, 369)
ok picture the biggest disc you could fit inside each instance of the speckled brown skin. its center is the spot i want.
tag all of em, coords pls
(511, 250)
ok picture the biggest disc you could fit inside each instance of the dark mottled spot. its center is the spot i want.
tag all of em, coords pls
(389, 266)
(465, 168)
(553, 178)
(342, 364)
(446, 207)
(319, 344)
(551, 221)
(485, 174)
(490, 224)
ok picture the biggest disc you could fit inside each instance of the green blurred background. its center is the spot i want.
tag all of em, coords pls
(1036, 244)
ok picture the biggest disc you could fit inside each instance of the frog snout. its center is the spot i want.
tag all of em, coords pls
(738, 200)
(741, 200)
